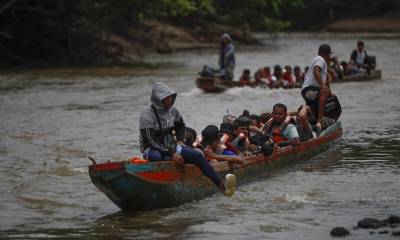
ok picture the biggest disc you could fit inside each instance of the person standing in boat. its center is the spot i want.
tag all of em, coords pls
(157, 124)
(226, 60)
(316, 90)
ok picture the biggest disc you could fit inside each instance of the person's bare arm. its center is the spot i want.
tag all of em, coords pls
(211, 155)
(317, 74)
(294, 142)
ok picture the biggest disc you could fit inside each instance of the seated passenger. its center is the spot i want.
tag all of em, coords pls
(305, 70)
(264, 117)
(242, 131)
(212, 148)
(349, 68)
(299, 76)
(190, 137)
(359, 55)
(302, 121)
(263, 75)
(245, 78)
(277, 80)
(337, 72)
(282, 133)
(162, 132)
(228, 134)
(288, 78)
(255, 124)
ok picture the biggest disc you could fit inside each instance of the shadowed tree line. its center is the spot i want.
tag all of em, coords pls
(317, 13)
(65, 32)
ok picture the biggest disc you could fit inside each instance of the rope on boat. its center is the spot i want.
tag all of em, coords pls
(92, 159)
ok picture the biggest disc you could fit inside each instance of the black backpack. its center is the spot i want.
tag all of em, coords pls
(370, 61)
(332, 108)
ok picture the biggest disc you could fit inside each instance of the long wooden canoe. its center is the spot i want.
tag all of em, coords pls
(139, 185)
(216, 85)
(361, 77)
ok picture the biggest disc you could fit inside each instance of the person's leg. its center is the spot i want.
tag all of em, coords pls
(302, 117)
(228, 153)
(153, 155)
(194, 157)
(324, 93)
(304, 134)
(311, 96)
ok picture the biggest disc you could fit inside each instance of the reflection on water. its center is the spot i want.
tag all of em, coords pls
(50, 125)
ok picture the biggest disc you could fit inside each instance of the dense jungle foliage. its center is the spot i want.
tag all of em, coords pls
(77, 32)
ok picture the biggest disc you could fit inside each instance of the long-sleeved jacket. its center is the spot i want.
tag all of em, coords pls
(151, 136)
(227, 56)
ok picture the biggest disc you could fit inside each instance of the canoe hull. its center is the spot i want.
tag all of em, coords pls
(134, 187)
(361, 77)
(216, 85)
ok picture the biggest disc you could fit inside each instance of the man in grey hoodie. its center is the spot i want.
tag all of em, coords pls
(226, 60)
(157, 124)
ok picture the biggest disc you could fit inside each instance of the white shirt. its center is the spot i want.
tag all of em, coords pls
(290, 132)
(309, 79)
(360, 57)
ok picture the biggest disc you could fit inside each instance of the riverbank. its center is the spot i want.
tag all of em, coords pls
(51, 125)
(386, 23)
(373, 24)
(139, 41)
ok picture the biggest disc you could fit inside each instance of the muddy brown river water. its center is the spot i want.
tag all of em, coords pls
(50, 124)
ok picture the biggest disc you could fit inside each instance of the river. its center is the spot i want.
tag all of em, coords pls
(51, 123)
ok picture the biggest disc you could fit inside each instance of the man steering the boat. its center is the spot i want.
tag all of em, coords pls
(226, 60)
(316, 90)
(158, 124)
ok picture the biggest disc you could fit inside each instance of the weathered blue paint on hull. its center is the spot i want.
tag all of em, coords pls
(132, 188)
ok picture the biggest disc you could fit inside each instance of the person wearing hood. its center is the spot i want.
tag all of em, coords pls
(226, 60)
(158, 123)
(226, 57)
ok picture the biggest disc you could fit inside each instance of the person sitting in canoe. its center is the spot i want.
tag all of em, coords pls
(242, 130)
(212, 147)
(283, 133)
(263, 76)
(349, 68)
(255, 124)
(227, 132)
(264, 117)
(360, 57)
(303, 119)
(336, 69)
(316, 90)
(288, 78)
(298, 76)
(157, 124)
(277, 78)
(190, 137)
(245, 78)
